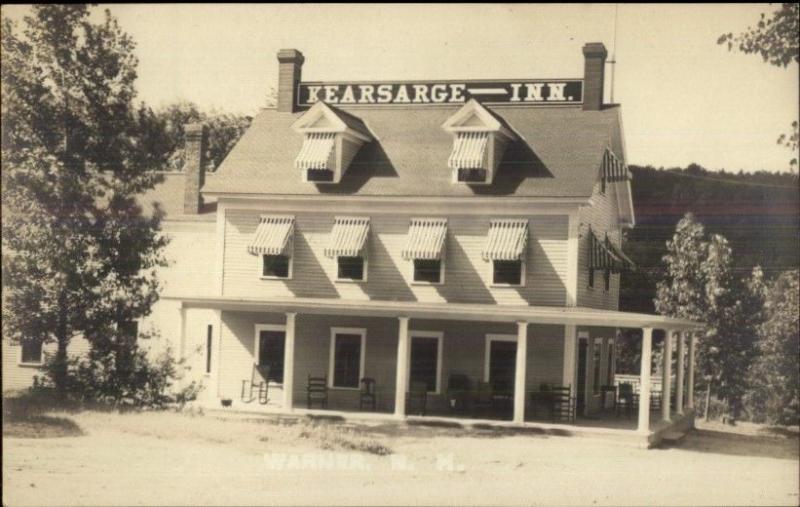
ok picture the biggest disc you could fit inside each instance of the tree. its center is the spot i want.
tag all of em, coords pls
(164, 130)
(777, 40)
(79, 254)
(775, 393)
(699, 286)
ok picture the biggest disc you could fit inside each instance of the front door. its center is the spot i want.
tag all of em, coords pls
(583, 350)
(271, 345)
(502, 365)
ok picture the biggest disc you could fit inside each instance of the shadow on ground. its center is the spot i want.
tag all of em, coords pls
(719, 442)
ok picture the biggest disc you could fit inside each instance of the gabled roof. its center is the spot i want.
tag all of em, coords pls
(558, 154)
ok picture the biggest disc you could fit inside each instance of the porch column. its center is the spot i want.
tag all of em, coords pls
(644, 380)
(519, 372)
(666, 375)
(401, 380)
(679, 380)
(690, 375)
(288, 363)
(568, 377)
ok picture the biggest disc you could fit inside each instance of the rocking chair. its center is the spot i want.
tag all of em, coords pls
(249, 387)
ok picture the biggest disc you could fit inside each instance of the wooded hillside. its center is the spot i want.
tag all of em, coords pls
(757, 213)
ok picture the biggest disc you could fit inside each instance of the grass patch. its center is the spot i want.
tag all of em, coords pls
(41, 426)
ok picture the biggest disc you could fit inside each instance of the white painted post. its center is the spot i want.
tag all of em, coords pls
(182, 351)
(568, 377)
(690, 373)
(519, 372)
(644, 381)
(288, 363)
(679, 379)
(666, 376)
(401, 380)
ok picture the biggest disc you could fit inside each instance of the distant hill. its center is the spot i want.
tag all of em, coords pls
(757, 213)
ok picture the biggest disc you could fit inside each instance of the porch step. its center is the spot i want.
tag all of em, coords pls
(673, 436)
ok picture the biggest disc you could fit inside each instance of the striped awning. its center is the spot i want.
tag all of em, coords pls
(426, 237)
(604, 255)
(317, 151)
(273, 235)
(613, 168)
(348, 237)
(507, 240)
(469, 151)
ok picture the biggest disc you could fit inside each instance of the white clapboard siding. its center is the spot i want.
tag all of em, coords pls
(467, 275)
(603, 217)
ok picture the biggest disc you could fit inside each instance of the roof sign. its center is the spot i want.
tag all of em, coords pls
(522, 92)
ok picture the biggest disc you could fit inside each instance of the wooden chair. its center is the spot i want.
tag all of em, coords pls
(367, 395)
(563, 404)
(259, 381)
(626, 399)
(484, 398)
(317, 391)
(458, 389)
(418, 394)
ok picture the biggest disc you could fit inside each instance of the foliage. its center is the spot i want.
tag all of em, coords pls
(775, 393)
(130, 378)
(777, 40)
(81, 256)
(700, 286)
(163, 131)
(756, 212)
(774, 38)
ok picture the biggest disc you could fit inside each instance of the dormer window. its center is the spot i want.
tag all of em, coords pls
(331, 141)
(479, 140)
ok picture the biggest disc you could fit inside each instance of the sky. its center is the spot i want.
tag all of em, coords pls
(684, 98)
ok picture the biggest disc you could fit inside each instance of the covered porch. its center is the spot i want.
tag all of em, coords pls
(504, 359)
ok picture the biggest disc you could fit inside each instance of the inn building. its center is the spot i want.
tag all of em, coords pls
(422, 249)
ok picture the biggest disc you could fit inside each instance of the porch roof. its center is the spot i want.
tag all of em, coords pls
(447, 311)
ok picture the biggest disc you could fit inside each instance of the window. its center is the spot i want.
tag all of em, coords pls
(428, 270)
(351, 268)
(591, 278)
(610, 366)
(606, 279)
(598, 345)
(270, 348)
(276, 266)
(209, 338)
(31, 352)
(426, 359)
(346, 358)
(508, 272)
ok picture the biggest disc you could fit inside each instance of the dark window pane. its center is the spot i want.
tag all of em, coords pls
(424, 356)
(508, 272)
(606, 279)
(270, 353)
(209, 334)
(347, 360)
(427, 270)
(319, 175)
(276, 265)
(610, 370)
(351, 268)
(31, 351)
(502, 365)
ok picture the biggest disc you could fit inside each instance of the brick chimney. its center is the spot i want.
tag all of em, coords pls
(594, 54)
(194, 168)
(290, 66)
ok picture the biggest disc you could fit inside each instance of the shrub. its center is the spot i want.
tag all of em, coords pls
(128, 377)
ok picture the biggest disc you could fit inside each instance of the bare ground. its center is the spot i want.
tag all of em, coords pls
(180, 459)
